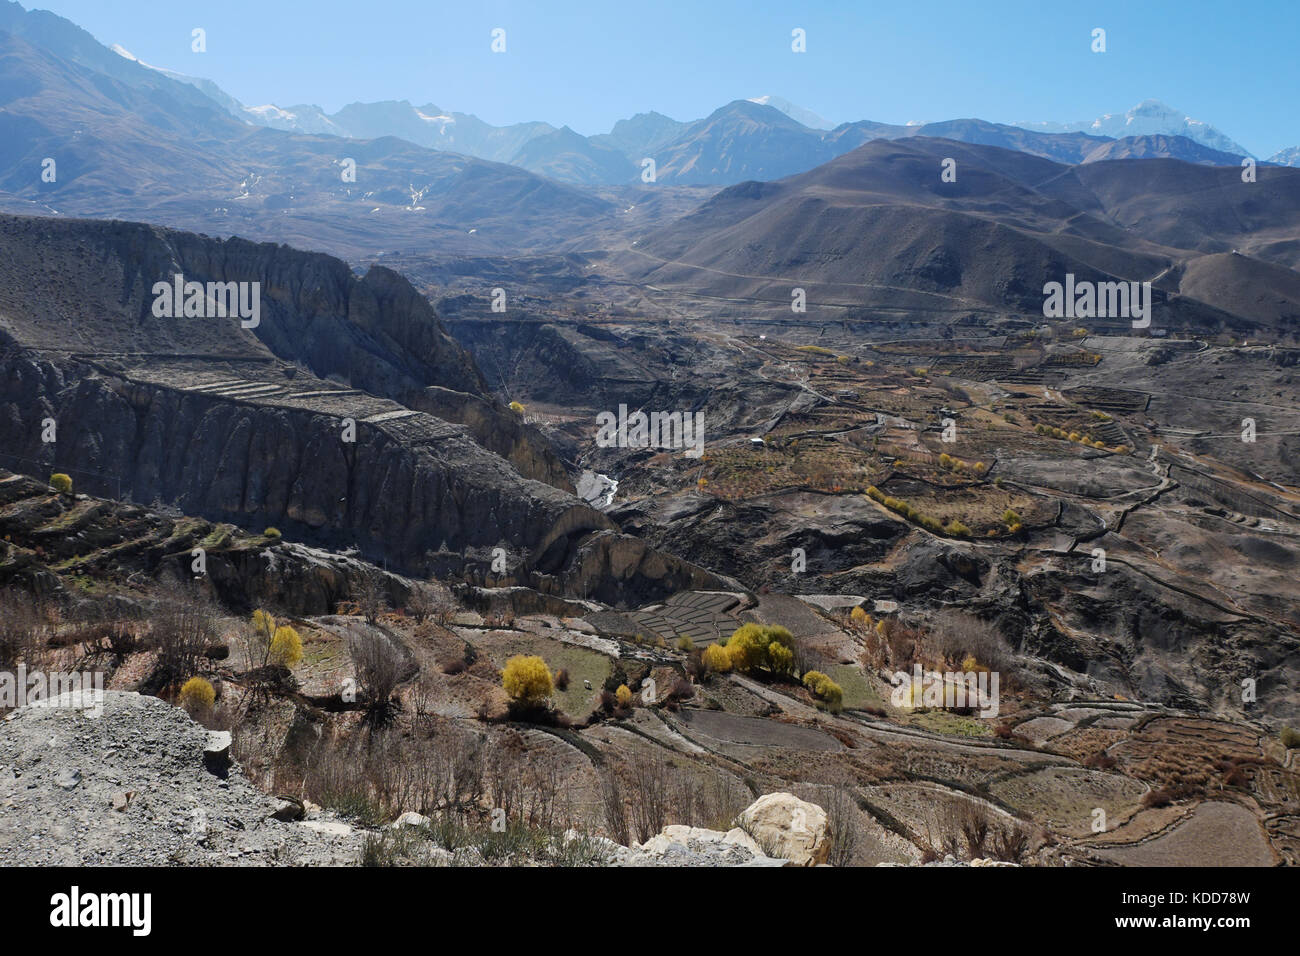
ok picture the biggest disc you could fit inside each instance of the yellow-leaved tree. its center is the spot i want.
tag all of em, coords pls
(527, 679)
(197, 695)
(716, 659)
(767, 647)
(286, 646)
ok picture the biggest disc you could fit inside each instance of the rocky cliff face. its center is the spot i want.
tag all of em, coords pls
(91, 292)
(441, 500)
(412, 493)
(497, 429)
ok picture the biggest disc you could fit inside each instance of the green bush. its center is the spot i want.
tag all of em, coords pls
(61, 483)
(1290, 738)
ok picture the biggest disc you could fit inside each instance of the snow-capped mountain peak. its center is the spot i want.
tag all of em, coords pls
(794, 111)
(1286, 157)
(1149, 118)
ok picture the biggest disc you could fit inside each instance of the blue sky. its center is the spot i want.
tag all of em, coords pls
(587, 64)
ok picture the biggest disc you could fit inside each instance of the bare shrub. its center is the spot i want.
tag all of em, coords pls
(614, 807)
(183, 626)
(23, 630)
(420, 603)
(682, 689)
(842, 821)
(1011, 843)
(102, 629)
(649, 786)
(683, 800)
(811, 657)
(973, 820)
(1100, 761)
(454, 772)
(903, 642)
(719, 800)
(956, 636)
(523, 783)
(376, 776)
(873, 649)
(423, 696)
(378, 664)
(444, 609)
(695, 666)
(370, 598)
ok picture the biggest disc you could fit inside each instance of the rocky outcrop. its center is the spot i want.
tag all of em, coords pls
(519, 600)
(695, 846)
(777, 829)
(785, 826)
(621, 570)
(497, 429)
(109, 540)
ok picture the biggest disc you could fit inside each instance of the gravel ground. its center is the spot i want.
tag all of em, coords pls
(64, 775)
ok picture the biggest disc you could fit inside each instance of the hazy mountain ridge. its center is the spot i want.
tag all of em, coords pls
(161, 151)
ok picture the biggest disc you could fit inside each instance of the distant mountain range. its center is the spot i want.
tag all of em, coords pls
(763, 137)
(132, 141)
